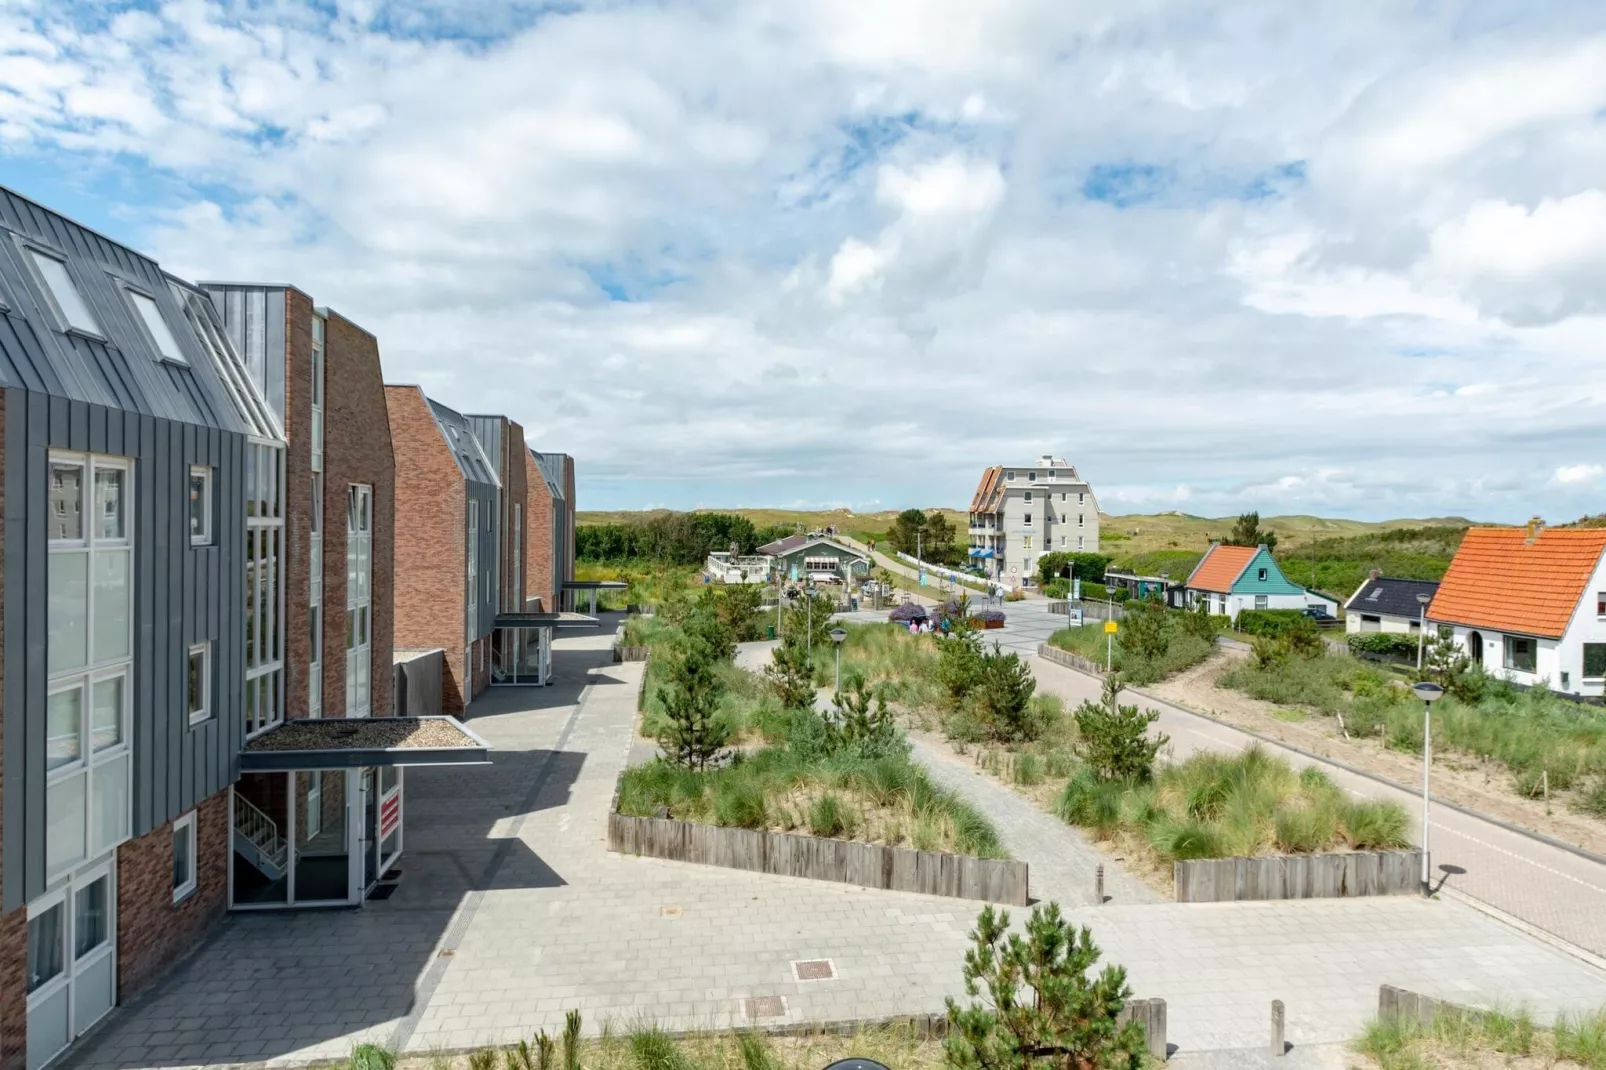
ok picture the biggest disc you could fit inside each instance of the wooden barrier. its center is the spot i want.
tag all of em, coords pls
(869, 865)
(1069, 660)
(1150, 1012)
(1414, 1007)
(629, 653)
(1343, 875)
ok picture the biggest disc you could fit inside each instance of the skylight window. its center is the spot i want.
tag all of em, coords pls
(69, 302)
(160, 334)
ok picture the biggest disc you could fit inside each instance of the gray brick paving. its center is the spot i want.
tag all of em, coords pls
(534, 916)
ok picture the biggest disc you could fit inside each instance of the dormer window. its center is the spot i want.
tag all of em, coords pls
(1260, 574)
(70, 308)
(161, 336)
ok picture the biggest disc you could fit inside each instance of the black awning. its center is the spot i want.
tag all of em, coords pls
(594, 585)
(544, 620)
(350, 743)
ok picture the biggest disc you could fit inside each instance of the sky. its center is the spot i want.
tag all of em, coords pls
(1327, 257)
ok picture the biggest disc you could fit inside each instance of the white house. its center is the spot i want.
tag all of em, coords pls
(1386, 604)
(1230, 579)
(1529, 604)
(1023, 511)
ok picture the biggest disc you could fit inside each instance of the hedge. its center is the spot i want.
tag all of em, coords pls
(1389, 644)
(1269, 622)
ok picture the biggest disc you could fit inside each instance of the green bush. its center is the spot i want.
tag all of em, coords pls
(1388, 644)
(1113, 739)
(828, 817)
(1231, 806)
(1185, 641)
(371, 1057)
(1272, 623)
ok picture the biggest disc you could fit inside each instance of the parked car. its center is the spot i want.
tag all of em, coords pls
(1321, 616)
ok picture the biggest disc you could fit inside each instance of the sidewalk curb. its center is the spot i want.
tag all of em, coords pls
(1538, 837)
(1528, 928)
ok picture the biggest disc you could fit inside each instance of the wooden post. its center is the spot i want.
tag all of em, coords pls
(1098, 885)
(1276, 1028)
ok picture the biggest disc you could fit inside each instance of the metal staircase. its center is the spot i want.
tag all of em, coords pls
(257, 839)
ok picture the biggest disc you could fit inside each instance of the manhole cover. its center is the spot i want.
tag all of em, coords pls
(764, 1007)
(814, 970)
(671, 912)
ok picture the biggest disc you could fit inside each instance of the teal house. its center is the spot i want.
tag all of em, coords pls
(816, 557)
(1230, 579)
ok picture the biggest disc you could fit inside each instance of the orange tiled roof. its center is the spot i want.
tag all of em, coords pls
(1220, 566)
(1500, 580)
(982, 501)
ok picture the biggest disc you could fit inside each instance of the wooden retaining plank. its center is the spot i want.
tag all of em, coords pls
(783, 854)
(1337, 875)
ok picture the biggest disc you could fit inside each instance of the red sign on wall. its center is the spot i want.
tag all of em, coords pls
(389, 813)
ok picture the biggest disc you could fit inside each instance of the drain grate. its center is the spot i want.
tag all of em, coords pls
(671, 912)
(764, 1007)
(814, 970)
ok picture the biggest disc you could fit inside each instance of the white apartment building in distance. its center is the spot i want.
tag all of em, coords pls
(1021, 512)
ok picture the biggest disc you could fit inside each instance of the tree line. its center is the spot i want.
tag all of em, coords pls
(670, 538)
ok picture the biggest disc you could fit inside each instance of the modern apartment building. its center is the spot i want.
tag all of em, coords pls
(557, 470)
(1020, 512)
(137, 463)
(173, 730)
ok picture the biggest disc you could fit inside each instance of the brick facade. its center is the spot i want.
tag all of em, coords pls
(538, 565)
(356, 449)
(513, 494)
(431, 561)
(153, 932)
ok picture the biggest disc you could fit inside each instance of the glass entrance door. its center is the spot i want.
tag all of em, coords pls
(72, 960)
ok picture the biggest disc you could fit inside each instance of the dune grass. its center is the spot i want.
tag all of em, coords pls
(1182, 651)
(1231, 806)
(1485, 1039)
(1529, 732)
(885, 799)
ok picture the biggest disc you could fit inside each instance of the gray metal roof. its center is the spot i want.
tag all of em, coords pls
(119, 365)
(551, 465)
(471, 459)
(1386, 595)
(244, 391)
(488, 430)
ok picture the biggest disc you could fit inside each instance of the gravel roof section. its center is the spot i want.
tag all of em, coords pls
(365, 733)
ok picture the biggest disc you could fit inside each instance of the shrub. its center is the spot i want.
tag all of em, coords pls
(371, 1057)
(739, 802)
(959, 665)
(1015, 595)
(1387, 644)
(1114, 740)
(828, 817)
(790, 675)
(1001, 701)
(1270, 622)
(1373, 826)
(1039, 1005)
(693, 734)
(905, 612)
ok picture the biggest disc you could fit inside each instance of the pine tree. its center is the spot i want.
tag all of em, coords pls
(1113, 739)
(693, 734)
(1039, 1005)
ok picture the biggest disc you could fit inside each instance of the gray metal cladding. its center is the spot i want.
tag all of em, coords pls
(254, 319)
(183, 594)
(120, 367)
(486, 564)
(465, 446)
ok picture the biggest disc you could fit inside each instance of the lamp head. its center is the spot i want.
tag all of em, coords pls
(1424, 599)
(1429, 693)
(837, 635)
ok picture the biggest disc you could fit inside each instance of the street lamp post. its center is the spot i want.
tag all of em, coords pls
(1429, 694)
(837, 635)
(1422, 601)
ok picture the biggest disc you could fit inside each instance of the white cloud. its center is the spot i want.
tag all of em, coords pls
(1336, 258)
(1572, 474)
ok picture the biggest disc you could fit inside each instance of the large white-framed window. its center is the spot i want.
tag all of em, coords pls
(472, 585)
(160, 334)
(72, 312)
(184, 855)
(518, 560)
(198, 683)
(264, 585)
(72, 959)
(200, 504)
(318, 327)
(88, 655)
(359, 598)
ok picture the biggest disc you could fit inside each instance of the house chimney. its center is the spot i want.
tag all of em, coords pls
(1375, 574)
(1535, 526)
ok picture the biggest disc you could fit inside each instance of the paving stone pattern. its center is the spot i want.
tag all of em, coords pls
(510, 911)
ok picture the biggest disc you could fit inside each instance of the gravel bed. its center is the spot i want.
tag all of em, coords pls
(362, 733)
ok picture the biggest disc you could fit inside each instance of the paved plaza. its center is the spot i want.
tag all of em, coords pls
(511, 911)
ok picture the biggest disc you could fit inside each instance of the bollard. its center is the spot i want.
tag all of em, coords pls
(1276, 1027)
(1098, 885)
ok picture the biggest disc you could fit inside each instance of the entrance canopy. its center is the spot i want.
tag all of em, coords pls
(594, 586)
(356, 742)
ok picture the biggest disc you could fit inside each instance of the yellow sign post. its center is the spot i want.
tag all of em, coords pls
(1110, 626)
(1109, 645)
